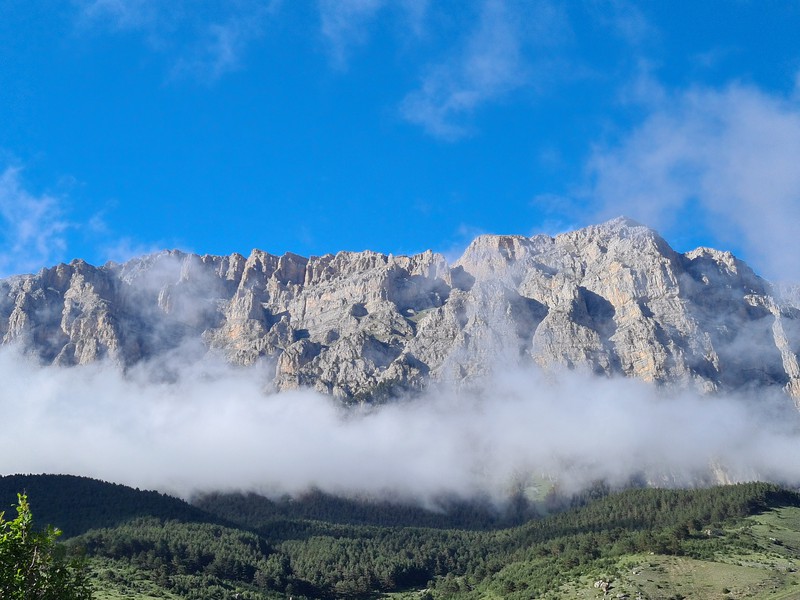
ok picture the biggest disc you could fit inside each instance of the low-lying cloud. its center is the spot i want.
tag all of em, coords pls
(216, 427)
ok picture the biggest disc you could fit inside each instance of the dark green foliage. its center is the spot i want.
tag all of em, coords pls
(78, 504)
(539, 554)
(320, 547)
(527, 559)
(189, 557)
(258, 512)
(33, 566)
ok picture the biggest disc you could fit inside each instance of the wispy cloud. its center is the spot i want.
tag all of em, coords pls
(126, 248)
(213, 37)
(728, 157)
(220, 47)
(345, 25)
(796, 90)
(121, 14)
(33, 226)
(490, 63)
(415, 15)
(624, 18)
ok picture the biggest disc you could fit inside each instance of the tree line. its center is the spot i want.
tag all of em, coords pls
(320, 559)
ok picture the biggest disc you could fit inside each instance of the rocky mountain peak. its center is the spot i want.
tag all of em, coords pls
(612, 298)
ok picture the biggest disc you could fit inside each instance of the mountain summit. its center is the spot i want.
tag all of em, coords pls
(613, 299)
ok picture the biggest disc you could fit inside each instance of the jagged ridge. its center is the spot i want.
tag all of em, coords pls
(612, 298)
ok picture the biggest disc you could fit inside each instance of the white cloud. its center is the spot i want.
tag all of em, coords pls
(489, 65)
(416, 13)
(510, 47)
(213, 427)
(624, 18)
(220, 48)
(33, 226)
(345, 25)
(121, 14)
(727, 158)
(557, 214)
(796, 90)
(125, 248)
(203, 41)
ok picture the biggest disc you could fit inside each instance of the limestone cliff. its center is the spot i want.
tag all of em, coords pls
(612, 298)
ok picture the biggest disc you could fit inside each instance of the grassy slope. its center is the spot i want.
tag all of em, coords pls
(766, 568)
(115, 582)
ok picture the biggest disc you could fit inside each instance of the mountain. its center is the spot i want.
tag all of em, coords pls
(613, 299)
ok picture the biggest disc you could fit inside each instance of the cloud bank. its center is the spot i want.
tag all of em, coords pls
(214, 426)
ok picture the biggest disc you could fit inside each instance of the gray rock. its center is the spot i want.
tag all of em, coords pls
(613, 299)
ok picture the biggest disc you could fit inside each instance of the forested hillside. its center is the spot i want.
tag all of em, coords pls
(77, 504)
(253, 510)
(606, 538)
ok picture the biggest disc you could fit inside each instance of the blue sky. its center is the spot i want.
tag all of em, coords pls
(128, 126)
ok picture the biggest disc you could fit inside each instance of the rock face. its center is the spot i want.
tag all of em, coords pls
(612, 299)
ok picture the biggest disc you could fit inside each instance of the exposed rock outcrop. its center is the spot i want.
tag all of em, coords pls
(611, 299)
